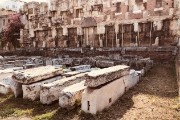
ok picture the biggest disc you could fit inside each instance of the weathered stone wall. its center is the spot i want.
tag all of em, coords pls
(98, 23)
(158, 54)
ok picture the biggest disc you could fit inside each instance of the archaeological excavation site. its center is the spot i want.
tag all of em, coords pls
(90, 60)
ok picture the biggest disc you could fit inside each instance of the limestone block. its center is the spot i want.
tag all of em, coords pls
(32, 91)
(97, 99)
(71, 73)
(71, 95)
(81, 68)
(49, 62)
(16, 88)
(5, 85)
(57, 61)
(19, 63)
(8, 72)
(1, 57)
(36, 74)
(102, 76)
(67, 61)
(132, 79)
(50, 92)
(89, 61)
(104, 63)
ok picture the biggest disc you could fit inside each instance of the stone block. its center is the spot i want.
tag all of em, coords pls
(5, 85)
(97, 99)
(104, 63)
(71, 73)
(32, 91)
(102, 76)
(36, 74)
(131, 80)
(16, 88)
(50, 92)
(81, 68)
(72, 95)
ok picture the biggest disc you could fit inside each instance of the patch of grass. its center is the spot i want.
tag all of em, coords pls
(6, 112)
(19, 112)
(46, 116)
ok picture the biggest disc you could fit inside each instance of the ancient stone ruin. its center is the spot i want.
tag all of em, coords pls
(100, 23)
(73, 85)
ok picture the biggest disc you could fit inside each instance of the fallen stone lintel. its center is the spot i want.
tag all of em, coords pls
(36, 74)
(50, 92)
(32, 91)
(102, 76)
(71, 95)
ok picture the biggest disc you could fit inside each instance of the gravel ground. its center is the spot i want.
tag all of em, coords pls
(154, 98)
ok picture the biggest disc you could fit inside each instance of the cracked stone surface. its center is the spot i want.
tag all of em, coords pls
(36, 74)
(71, 95)
(102, 76)
(50, 92)
(32, 91)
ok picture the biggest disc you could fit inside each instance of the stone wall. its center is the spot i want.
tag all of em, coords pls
(158, 54)
(99, 23)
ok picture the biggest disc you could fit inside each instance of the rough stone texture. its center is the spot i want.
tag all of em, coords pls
(132, 79)
(96, 24)
(50, 92)
(5, 85)
(32, 91)
(71, 73)
(102, 76)
(97, 99)
(104, 63)
(16, 88)
(81, 68)
(71, 95)
(36, 74)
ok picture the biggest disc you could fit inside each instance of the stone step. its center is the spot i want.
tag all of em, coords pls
(32, 91)
(33, 75)
(102, 76)
(50, 92)
(71, 95)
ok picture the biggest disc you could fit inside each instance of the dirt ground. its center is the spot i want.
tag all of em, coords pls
(154, 98)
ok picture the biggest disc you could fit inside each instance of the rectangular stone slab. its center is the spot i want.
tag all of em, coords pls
(81, 68)
(71, 95)
(36, 74)
(102, 76)
(50, 92)
(5, 85)
(69, 74)
(32, 91)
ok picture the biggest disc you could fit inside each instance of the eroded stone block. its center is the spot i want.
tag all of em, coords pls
(36, 74)
(50, 92)
(5, 85)
(71, 95)
(32, 91)
(102, 76)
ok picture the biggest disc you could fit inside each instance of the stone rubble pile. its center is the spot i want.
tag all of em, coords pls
(83, 84)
